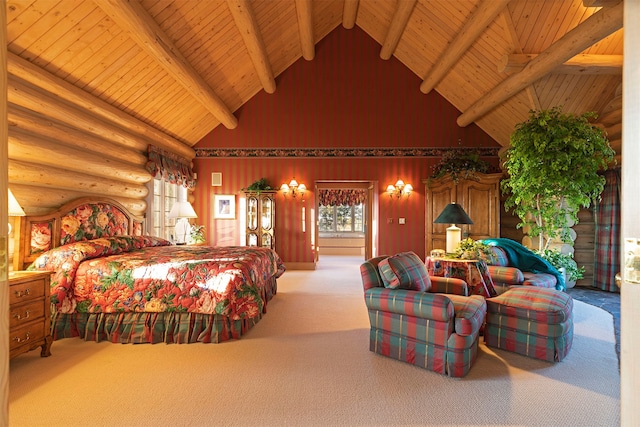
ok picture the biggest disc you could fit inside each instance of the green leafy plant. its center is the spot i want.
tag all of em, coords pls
(459, 164)
(258, 186)
(472, 249)
(560, 260)
(197, 234)
(553, 164)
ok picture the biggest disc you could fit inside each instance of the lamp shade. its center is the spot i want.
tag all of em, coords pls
(14, 207)
(453, 214)
(182, 209)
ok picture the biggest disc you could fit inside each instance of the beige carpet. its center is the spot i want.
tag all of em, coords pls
(307, 363)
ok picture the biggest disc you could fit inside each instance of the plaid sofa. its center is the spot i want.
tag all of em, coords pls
(431, 328)
(504, 275)
(535, 322)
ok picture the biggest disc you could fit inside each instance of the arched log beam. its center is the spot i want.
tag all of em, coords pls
(398, 24)
(45, 176)
(32, 148)
(583, 64)
(28, 121)
(349, 13)
(35, 201)
(595, 28)
(484, 14)
(305, 28)
(245, 21)
(134, 19)
(48, 82)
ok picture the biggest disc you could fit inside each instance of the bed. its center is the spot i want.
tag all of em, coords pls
(112, 282)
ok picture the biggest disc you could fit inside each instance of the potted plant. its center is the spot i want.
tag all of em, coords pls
(196, 235)
(553, 167)
(258, 186)
(459, 164)
(472, 249)
(563, 263)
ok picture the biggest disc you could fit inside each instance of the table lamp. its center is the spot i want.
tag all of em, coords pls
(453, 214)
(14, 208)
(183, 211)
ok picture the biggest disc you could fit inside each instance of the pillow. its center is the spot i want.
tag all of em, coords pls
(404, 271)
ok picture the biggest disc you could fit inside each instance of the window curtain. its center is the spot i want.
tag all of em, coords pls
(341, 197)
(171, 167)
(607, 239)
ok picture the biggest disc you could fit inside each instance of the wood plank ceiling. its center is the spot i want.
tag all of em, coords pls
(183, 67)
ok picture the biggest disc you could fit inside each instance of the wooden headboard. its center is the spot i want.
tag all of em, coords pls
(81, 219)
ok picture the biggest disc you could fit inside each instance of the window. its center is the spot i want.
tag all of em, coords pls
(341, 219)
(165, 195)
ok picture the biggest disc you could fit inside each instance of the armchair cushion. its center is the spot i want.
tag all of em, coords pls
(405, 271)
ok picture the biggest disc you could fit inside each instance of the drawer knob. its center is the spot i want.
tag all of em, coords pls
(26, 338)
(25, 316)
(20, 294)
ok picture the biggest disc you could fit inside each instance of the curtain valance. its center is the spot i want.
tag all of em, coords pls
(170, 166)
(344, 197)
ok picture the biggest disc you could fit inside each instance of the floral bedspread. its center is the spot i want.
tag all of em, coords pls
(147, 274)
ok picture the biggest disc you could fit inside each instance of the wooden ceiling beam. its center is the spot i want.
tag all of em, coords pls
(397, 27)
(598, 26)
(349, 13)
(583, 64)
(245, 21)
(134, 19)
(484, 14)
(600, 3)
(305, 28)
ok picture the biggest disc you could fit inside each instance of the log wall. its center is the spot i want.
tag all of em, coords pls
(65, 143)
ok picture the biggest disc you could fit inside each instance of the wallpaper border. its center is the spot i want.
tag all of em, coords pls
(339, 152)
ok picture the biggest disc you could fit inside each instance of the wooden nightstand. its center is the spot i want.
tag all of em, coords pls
(29, 315)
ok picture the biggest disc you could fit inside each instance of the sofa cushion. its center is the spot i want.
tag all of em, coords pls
(508, 275)
(405, 271)
(543, 280)
(499, 258)
(547, 306)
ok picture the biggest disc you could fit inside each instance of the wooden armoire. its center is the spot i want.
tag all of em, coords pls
(479, 197)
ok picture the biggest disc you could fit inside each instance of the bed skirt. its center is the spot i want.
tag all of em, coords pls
(167, 327)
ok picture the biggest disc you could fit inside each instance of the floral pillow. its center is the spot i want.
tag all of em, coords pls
(405, 271)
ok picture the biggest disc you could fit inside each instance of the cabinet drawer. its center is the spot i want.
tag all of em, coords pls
(25, 313)
(26, 335)
(27, 291)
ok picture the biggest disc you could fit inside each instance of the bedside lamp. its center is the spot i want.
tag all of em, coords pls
(183, 211)
(453, 214)
(14, 208)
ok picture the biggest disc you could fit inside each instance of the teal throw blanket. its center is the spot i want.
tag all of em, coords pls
(524, 259)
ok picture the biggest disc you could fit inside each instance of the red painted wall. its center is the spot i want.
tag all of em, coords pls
(346, 97)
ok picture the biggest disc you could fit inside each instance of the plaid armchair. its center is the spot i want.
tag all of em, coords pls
(426, 321)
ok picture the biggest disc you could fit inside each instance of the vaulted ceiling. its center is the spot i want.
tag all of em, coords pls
(185, 66)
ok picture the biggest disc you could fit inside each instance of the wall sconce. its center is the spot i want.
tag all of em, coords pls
(294, 188)
(182, 210)
(14, 208)
(400, 189)
(453, 214)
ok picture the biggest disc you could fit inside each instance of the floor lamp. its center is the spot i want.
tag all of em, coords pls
(453, 214)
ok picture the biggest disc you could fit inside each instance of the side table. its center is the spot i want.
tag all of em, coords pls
(472, 271)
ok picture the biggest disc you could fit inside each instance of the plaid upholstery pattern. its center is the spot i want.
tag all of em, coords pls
(404, 271)
(532, 321)
(542, 280)
(435, 331)
(499, 257)
(449, 285)
(506, 275)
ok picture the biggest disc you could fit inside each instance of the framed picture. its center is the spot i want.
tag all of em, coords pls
(224, 206)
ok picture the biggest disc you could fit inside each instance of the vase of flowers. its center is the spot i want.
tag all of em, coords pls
(196, 236)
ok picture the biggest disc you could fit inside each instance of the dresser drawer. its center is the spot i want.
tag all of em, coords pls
(26, 335)
(27, 291)
(25, 313)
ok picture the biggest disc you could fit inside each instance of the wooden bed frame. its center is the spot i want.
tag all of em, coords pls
(27, 251)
